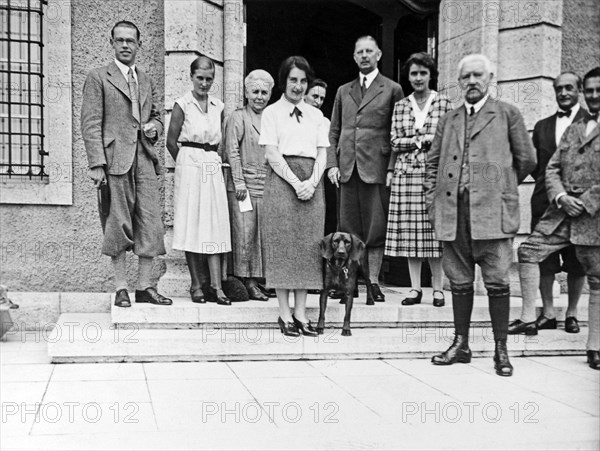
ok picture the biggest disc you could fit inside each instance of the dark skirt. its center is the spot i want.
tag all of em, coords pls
(292, 230)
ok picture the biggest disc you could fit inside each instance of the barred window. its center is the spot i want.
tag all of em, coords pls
(21, 89)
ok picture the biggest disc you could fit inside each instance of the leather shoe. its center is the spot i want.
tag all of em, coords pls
(502, 364)
(305, 328)
(268, 292)
(439, 302)
(593, 359)
(314, 291)
(255, 294)
(122, 298)
(288, 329)
(543, 322)
(571, 325)
(458, 352)
(519, 327)
(197, 296)
(151, 296)
(377, 294)
(413, 299)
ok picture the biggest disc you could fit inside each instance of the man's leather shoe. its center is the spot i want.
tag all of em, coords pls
(458, 352)
(519, 327)
(255, 294)
(545, 323)
(268, 292)
(571, 325)
(122, 298)
(502, 364)
(593, 359)
(377, 294)
(151, 296)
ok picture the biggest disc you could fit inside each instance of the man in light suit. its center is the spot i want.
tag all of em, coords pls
(480, 153)
(359, 153)
(120, 125)
(546, 136)
(573, 216)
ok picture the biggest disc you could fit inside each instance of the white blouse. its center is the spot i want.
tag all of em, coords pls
(200, 126)
(421, 114)
(292, 136)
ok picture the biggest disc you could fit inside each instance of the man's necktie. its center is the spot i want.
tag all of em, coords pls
(472, 111)
(363, 87)
(566, 113)
(296, 112)
(594, 115)
(134, 94)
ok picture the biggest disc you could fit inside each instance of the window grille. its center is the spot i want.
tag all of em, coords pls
(21, 89)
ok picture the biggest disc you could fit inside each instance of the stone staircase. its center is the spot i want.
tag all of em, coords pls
(248, 331)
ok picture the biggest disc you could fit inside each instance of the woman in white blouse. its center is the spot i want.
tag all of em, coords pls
(295, 140)
(201, 217)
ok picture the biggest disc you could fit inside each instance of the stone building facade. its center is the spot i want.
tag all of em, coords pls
(50, 233)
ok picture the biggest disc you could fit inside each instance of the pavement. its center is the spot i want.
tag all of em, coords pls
(549, 403)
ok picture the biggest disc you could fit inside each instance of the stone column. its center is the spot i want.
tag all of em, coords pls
(233, 54)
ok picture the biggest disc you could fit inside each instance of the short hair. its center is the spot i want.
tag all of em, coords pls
(595, 72)
(288, 64)
(202, 62)
(422, 59)
(367, 38)
(259, 75)
(475, 57)
(569, 72)
(317, 82)
(126, 24)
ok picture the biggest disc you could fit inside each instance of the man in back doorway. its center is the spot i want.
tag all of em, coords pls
(546, 136)
(359, 153)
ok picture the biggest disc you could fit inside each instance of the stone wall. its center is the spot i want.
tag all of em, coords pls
(57, 248)
(581, 35)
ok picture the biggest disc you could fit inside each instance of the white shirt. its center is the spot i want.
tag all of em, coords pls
(563, 122)
(278, 128)
(125, 70)
(370, 77)
(477, 106)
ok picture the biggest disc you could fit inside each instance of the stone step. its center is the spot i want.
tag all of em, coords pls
(80, 337)
(186, 314)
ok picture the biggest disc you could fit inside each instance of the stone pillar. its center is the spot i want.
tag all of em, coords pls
(233, 54)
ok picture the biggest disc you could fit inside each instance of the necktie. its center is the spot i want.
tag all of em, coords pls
(363, 87)
(472, 111)
(566, 113)
(594, 115)
(134, 94)
(296, 112)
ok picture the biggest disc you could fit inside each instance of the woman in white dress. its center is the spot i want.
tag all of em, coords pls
(201, 220)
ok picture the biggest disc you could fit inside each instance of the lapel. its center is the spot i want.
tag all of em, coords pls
(458, 123)
(374, 90)
(355, 92)
(550, 133)
(116, 78)
(585, 140)
(254, 119)
(144, 86)
(486, 114)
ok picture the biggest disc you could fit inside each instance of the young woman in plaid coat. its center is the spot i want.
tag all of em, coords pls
(409, 233)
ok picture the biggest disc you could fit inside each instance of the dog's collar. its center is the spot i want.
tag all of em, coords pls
(344, 267)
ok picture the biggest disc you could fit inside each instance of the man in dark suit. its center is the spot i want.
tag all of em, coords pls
(546, 136)
(120, 125)
(359, 153)
(480, 153)
(573, 217)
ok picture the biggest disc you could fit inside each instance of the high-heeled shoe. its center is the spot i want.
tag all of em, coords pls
(593, 359)
(288, 329)
(413, 300)
(305, 328)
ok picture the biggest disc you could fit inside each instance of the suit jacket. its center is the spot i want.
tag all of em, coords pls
(575, 169)
(501, 155)
(544, 141)
(360, 129)
(109, 130)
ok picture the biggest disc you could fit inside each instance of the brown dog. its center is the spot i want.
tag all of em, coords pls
(345, 260)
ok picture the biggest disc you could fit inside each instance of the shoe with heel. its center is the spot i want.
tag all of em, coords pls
(414, 299)
(458, 352)
(305, 328)
(288, 328)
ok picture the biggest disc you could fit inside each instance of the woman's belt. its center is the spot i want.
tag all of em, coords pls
(204, 146)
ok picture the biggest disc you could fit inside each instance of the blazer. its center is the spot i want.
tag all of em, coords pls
(575, 169)
(109, 130)
(501, 155)
(360, 129)
(544, 141)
